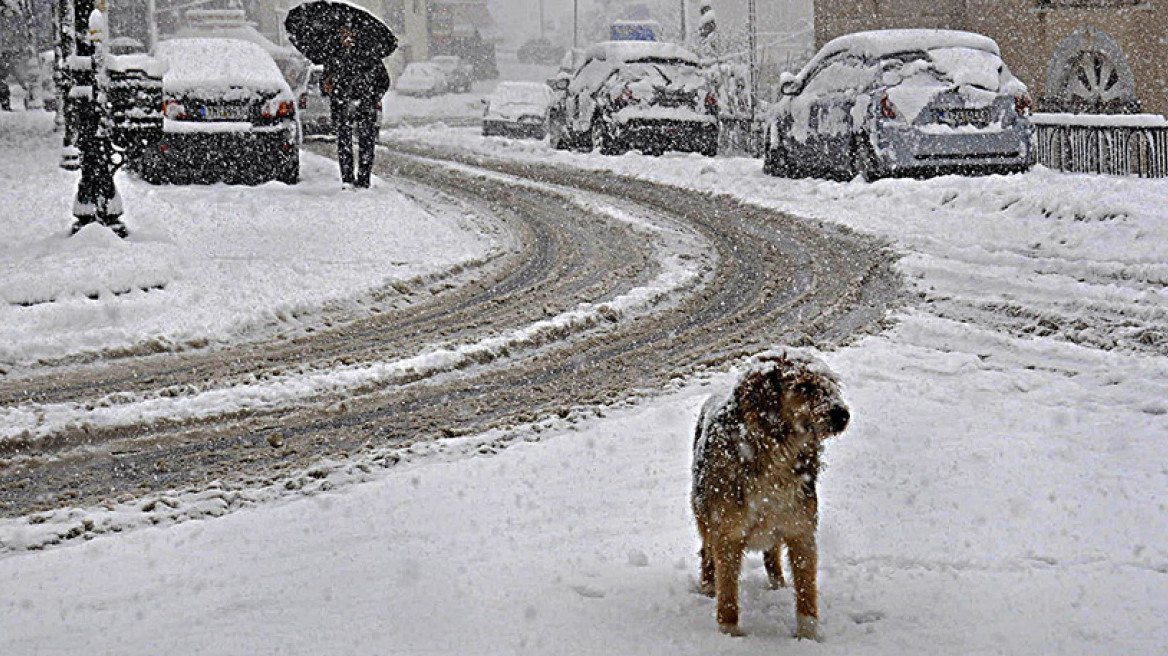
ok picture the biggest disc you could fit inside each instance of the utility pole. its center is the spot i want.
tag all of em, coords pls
(752, 37)
(575, 24)
(684, 32)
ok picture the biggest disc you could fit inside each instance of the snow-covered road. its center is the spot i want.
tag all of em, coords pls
(1003, 488)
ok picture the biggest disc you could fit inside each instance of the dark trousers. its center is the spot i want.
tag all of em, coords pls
(351, 116)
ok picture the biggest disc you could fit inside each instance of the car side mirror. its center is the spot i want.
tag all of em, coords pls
(789, 84)
(483, 101)
(560, 84)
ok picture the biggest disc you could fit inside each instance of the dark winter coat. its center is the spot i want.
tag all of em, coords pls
(364, 80)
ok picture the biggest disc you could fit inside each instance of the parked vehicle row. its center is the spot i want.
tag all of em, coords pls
(517, 109)
(870, 104)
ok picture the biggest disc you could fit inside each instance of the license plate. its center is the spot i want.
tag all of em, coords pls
(225, 112)
(957, 117)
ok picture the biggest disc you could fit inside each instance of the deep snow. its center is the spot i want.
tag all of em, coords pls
(1002, 488)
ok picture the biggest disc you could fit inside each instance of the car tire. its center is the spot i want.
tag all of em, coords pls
(863, 160)
(777, 161)
(709, 145)
(289, 171)
(602, 141)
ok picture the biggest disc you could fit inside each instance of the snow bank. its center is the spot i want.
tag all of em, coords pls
(203, 263)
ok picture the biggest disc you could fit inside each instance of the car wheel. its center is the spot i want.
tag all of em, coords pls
(777, 162)
(709, 145)
(602, 141)
(863, 160)
(289, 171)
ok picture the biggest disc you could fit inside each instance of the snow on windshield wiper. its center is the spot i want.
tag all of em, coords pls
(662, 74)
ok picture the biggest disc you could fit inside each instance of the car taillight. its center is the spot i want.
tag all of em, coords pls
(304, 101)
(1023, 105)
(711, 102)
(625, 97)
(887, 109)
(173, 109)
(278, 109)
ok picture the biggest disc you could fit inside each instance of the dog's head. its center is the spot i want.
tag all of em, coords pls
(793, 394)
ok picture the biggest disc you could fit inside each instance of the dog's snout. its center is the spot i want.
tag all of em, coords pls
(839, 418)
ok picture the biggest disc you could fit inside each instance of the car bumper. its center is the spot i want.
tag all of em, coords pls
(519, 128)
(908, 150)
(316, 124)
(666, 134)
(217, 155)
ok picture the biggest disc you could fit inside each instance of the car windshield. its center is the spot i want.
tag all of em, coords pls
(660, 72)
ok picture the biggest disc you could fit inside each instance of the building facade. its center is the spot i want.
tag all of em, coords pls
(1083, 56)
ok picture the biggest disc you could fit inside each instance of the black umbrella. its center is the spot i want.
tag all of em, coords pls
(315, 28)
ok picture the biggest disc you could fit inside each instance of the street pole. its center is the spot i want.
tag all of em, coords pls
(575, 24)
(683, 30)
(752, 21)
(541, 19)
(97, 198)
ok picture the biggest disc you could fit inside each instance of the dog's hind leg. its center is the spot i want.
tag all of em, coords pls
(727, 567)
(706, 583)
(772, 559)
(804, 557)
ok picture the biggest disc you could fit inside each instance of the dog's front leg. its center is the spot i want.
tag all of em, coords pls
(727, 567)
(804, 558)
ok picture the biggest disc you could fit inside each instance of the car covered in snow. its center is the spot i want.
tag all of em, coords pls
(228, 114)
(422, 79)
(640, 95)
(459, 74)
(901, 102)
(313, 105)
(517, 108)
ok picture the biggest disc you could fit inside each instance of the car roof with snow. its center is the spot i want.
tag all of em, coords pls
(215, 63)
(631, 51)
(881, 43)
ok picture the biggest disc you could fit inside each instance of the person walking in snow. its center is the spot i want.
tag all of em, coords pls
(354, 85)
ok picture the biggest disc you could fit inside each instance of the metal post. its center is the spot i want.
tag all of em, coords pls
(682, 40)
(752, 26)
(575, 24)
(97, 198)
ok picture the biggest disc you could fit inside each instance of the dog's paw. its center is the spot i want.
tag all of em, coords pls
(731, 630)
(807, 628)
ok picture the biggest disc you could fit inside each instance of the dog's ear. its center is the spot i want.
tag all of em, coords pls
(750, 387)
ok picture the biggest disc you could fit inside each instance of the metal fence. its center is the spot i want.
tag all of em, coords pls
(1112, 147)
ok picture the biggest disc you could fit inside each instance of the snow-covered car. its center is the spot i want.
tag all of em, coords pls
(638, 95)
(228, 114)
(459, 74)
(901, 102)
(315, 116)
(540, 51)
(422, 79)
(517, 108)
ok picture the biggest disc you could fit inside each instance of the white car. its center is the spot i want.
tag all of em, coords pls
(901, 102)
(637, 95)
(517, 108)
(459, 74)
(315, 115)
(228, 114)
(422, 79)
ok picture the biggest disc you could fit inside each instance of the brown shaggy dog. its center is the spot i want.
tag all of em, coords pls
(756, 457)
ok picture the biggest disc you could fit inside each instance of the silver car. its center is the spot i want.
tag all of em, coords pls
(315, 117)
(901, 102)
